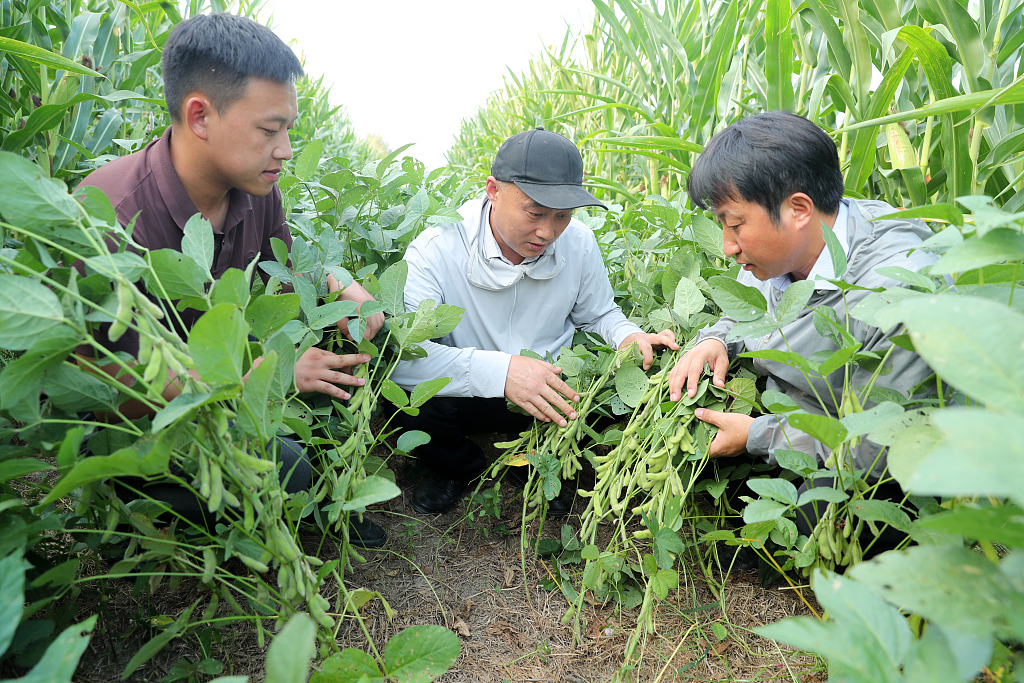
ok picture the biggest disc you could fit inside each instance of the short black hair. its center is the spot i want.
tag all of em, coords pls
(217, 54)
(764, 159)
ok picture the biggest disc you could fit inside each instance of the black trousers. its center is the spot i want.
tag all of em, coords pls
(295, 474)
(450, 421)
(808, 514)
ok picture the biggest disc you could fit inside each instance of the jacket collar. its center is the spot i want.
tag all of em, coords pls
(496, 273)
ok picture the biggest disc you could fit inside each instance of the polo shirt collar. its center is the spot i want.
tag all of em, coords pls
(489, 270)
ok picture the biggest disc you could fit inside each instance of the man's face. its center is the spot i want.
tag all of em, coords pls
(761, 247)
(248, 141)
(522, 227)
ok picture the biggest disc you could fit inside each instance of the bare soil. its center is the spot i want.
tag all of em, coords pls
(470, 576)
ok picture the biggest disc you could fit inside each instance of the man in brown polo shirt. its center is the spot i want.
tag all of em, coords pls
(229, 84)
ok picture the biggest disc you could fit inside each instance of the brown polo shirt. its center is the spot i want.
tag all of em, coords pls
(145, 184)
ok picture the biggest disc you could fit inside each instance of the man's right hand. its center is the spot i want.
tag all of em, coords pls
(535, 386)
(686, 373)
(317, 370)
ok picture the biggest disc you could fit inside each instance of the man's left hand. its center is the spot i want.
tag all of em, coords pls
(731, 439)
(648, 341)
(355, 292)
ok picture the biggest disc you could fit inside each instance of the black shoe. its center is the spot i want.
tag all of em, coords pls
(366, 533)
(435, 496)
(561, 506)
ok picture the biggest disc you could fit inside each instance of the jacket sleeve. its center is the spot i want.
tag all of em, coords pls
(595, 309)
(904, 371)
(720, 331)
(473, 372)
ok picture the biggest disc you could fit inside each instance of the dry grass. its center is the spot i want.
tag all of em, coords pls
(442, 571)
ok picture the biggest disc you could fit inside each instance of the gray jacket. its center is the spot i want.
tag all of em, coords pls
(871, 245)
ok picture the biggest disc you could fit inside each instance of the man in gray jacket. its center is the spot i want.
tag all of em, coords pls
(772, 180)
(528, 276)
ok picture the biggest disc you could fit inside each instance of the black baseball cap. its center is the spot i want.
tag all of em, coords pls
(546, 166)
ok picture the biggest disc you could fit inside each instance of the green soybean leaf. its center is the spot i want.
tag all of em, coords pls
(307, 294)
(59, 662)
(12, 596)
(763, 511)
(254, 415)
(947, 329)
(411, 439)
(667, 544)
(738, 301)
(420, 654)
(394, 393)
(789, 358)
(998, 246)
(27, 310)
(796, 461)
(126, 263)
(329, 314)
(76, 390)
(371, 490)
(1003, 524)
(177, 408)
(823, 428)
(284, 378)
(777, 489)
(177, 275)
(23, 376)
(825, 493)
(663, 581)
(961, 590)
(266, 314)
(392, 287)
(425, 390)
(19, 467)
(837, 360)
(197, 243)
(349, 666)
(794, 302)
(232, 288)
(708, 236)
(884, 511)
(865, 638)
(688, 300)
(962, 464)
(291, 650)
(217, 343)
(910, 447)
(835, 251)
(630, 384)
(309, 159)
(752, 329)
(157, 643)
(778, 402)
(909, 277)
(859, 424)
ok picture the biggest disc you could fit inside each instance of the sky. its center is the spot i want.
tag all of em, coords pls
(412, 70)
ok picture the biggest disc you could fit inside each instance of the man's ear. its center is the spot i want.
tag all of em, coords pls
(196, 110)
(492, 187)
(802, 208)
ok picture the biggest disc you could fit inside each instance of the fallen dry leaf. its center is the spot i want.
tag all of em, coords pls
(510, 576)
